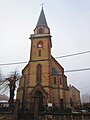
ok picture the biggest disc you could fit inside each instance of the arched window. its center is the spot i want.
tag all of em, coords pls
(40, 31)
(39, 73)
(38, 94)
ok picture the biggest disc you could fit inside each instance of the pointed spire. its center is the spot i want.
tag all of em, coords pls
(42, 20)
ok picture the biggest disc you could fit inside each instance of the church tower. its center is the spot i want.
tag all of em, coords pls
(43, 80)
(41, 40)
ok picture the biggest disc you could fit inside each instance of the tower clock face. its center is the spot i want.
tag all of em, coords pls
(40, 45)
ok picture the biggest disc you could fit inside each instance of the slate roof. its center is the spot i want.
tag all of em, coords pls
(42, 20)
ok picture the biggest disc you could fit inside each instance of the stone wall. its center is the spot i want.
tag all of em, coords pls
(65, 117)
(6, 116)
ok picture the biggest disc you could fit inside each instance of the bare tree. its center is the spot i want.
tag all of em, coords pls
(3, 83)
(0, 75)
(9, 84)
(12, 79)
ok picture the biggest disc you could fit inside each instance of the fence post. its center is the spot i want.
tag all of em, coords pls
(71, 117)
(64, 117)
(82, 117)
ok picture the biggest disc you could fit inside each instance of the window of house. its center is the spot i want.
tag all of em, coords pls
(54, 80)
(39, 73)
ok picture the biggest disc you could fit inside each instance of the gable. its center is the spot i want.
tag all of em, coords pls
(56, 67)
(25, 68)
(38, 87)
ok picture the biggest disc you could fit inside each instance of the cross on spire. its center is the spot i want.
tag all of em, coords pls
(42, 4)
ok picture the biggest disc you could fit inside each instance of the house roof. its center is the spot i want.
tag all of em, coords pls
(71, 87)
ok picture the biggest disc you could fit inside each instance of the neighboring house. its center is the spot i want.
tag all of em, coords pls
(74, 96)
(4, 97)
(4, 104)
(43, 80)
(4, 101)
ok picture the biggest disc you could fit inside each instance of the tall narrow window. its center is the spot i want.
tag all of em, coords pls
(39, 53)
(60, 81)
(54, 80)
(39, 73)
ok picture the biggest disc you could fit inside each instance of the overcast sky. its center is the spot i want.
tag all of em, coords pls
(69, 23)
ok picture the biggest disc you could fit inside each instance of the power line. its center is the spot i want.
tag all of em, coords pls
(5, 64)
(69, 55)
(74, 70)
(77, 70)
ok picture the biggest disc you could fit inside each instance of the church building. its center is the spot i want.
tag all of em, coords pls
(43, 81)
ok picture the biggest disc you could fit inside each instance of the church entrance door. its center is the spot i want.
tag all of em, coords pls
(38, 100)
